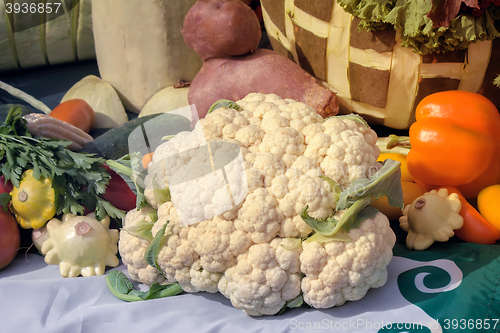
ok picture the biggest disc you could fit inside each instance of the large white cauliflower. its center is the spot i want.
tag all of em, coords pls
(251, 250)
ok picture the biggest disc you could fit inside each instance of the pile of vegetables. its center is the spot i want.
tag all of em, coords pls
(305, 217)
(90, 103)
(77, 180)
(45, 180)
(453, 149)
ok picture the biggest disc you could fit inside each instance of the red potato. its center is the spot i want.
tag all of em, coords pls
(262, 71)
(221, 28)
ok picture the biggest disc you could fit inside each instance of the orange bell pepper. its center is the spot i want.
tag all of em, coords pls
(476, 229)
(455, 141)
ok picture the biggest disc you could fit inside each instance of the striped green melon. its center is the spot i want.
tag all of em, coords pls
(371, 72)
(7, 57)
(56, 40)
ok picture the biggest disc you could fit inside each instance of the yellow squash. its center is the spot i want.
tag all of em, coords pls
(487, 204)
(33, 202)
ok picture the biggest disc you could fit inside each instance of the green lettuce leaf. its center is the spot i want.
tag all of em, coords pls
(418, 29)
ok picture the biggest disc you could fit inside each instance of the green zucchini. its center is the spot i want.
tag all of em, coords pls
(114, 143)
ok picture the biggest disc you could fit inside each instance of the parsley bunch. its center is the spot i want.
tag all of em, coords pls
(78, 179)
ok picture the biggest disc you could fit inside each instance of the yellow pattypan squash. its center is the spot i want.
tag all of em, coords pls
(33, 202)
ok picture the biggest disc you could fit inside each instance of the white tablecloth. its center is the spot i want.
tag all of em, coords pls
(35, 298)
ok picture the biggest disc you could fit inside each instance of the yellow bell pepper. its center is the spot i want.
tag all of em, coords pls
(33, 202)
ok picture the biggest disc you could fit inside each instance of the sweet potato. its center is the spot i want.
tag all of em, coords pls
(221, 28)
(263, 71)
(225, 34)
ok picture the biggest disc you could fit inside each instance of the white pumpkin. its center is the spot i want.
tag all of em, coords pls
(103, 99)
(166, 100)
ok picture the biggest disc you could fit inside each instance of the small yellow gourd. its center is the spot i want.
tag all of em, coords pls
(431, 217)
(80, 245)
(33, 202)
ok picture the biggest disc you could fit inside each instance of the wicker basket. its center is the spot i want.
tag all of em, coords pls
(371, 72)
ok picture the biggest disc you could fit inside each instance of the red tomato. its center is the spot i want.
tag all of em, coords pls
(10, 238)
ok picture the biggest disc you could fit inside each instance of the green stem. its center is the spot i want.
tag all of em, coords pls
(25, 97)
(398, 141)
(120, 168)
(394, 144)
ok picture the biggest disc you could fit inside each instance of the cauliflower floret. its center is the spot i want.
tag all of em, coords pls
(283, 141)
(337, 272)
(218, 243)
(202, 279)
(250, 135)
(350, 156)
(224, 123)
(294, 227)
(177, 256)
(264, 108)
(151, 198)
(311, 130)
(214, 125)
(263, 279)
(302, 112)
(269, 165)
(172, 156)
(260, 216)
(318, 146)
(307, 190)
(132, 249)
(274, 122)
